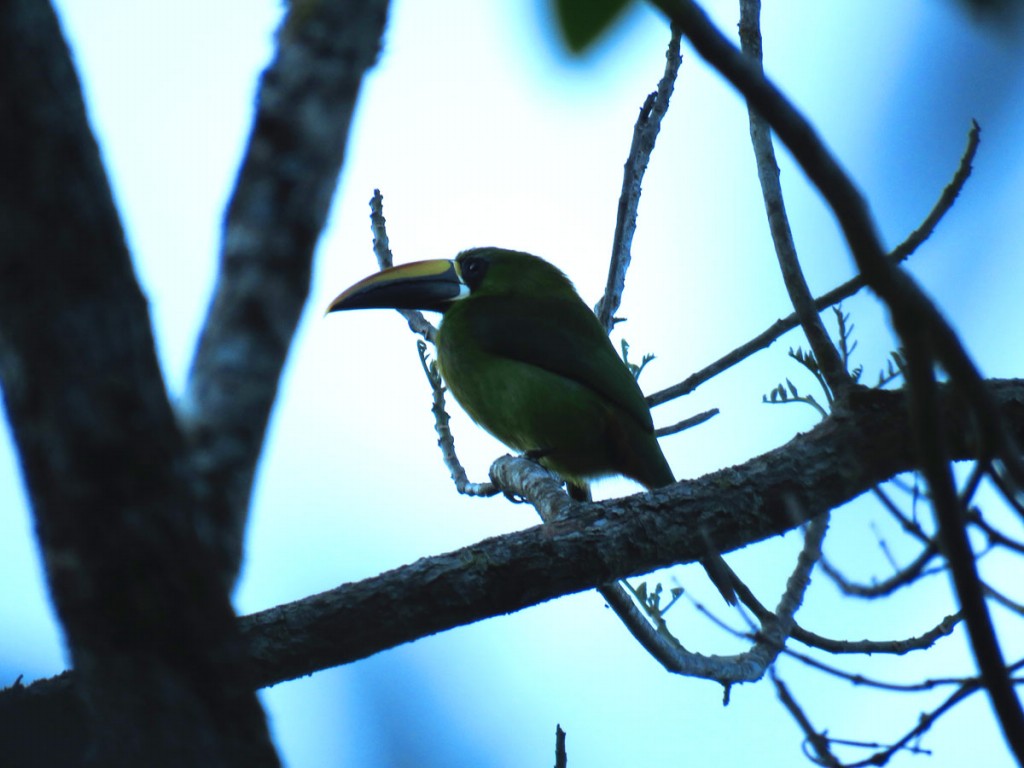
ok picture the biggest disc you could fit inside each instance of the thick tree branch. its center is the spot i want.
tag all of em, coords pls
(860, 445)
(148, 623)
(845, 455)
(281, 200)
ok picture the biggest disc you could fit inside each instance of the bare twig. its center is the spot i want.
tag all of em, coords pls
(445, 439)
(526, 479)
(777, 627)
(747, 666)
(645, 133)
(916, 320)
(764, 339)
(382, 250)
(418, 324)
(818, 742)
(884, 685)
(898, 647)
(1004, 600)
(994, 535)
(279, 205)
(813, 640)
(901, 578)
(800, 579)
(825, 353)
(924, 723)
(1010, 491)
(909, 526)
(911, 309)
(930, 441)
(979, 471)
(692, 421)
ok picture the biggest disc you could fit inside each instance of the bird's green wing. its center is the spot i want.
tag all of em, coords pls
(563, 337)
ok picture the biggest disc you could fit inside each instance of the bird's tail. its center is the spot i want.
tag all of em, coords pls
(721, 576)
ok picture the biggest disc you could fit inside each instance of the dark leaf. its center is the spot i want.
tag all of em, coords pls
(583, 21)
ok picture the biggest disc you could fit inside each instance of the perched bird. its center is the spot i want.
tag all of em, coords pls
(529, 361)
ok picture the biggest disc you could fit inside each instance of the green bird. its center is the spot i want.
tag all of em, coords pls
(529, 362)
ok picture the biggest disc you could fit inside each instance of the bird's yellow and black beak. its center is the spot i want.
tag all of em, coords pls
(429, 285)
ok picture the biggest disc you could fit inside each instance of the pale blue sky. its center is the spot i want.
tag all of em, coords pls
(479, 132)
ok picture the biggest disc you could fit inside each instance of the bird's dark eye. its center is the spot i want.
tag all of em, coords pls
(473, 269)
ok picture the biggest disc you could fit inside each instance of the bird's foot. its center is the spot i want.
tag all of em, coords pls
(536, 454)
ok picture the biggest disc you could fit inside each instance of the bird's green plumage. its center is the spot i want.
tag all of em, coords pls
(530, 362)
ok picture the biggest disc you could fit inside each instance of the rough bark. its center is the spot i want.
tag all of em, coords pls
(140, 516)
(149, 626)
(866, 441)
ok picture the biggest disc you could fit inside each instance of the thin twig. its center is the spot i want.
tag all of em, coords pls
(912, 311)
(924, 723)
(692, 421)
(800, 579)
(899, 254)
(916, 320)
(908, 525)
(930, 441)
(903, 577)
(645, 133)
(827, 357)
(823, 742)
(418, 324)
(777, 627)
(896, 647)
(818, 741)
(994, 536)
(978, 473)
(382, 250)
(1003, 600)
(445, 439)
(883, 685)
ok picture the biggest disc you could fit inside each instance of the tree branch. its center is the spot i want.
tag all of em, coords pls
(899, 254)
(916, 320)
(930, 439)
(861, 444)
(909, 306)
(645, 134)
(901, 578)
(594, 544)
(418, 324)
(825, 353)
(899, 647)
(818, 742)
(277, 210)
(148, 623)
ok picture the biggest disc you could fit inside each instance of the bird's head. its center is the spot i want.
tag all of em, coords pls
(437, 284)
